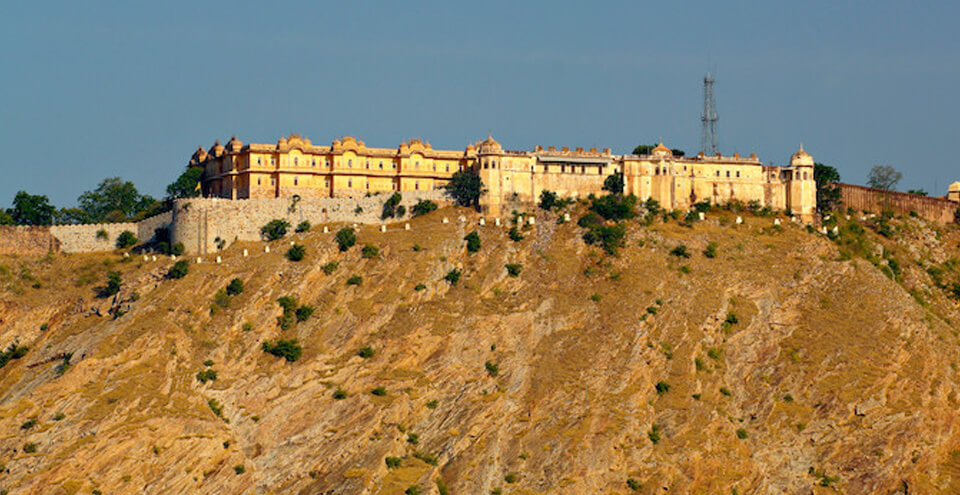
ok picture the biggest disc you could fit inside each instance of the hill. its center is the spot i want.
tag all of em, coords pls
(785, 363)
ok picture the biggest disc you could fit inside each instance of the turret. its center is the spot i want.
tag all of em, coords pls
(954, 192)
(489, 155)
(801, 187)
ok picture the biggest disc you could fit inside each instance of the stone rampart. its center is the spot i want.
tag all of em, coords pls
(201, 223)
(877, 200)
(27, 240)
(85, 238)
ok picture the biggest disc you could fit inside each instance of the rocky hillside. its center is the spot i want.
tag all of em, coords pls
(755, 359)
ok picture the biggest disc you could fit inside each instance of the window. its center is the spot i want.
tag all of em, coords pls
(258, 181)
(368, 185)
(313, 163)
(368, 164)
(563, 168)
(296, 181)
(728, 173)
(273, 161)
(738, 173)
(448, 167)
(416, 185)
(350, 163)
(272, 181)
(326, 162)
(258, 160)
(296, 161)
(350, 183)
(417, 165)
(381, 164)
(583, 169)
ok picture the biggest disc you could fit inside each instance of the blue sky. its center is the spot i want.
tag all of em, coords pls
(93, 90)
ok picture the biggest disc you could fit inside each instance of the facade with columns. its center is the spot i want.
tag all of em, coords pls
(348, 168)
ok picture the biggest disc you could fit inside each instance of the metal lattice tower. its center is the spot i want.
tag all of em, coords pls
(708, 134)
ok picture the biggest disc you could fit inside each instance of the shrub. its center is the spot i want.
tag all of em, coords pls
(379, 391)
(30, 448)
(330, 267)
(453, 276)
(355, 280)
(413, 439)
(113, 285)
(390, 206)
(493, 369)
(615, 207)
(30, 423)
(102, 235)
(14, 351)
(652, 310)
(423, 207)
(742, 433)
(680, 251)
(654, 433)
(221, 299)
(274, 229)
(419, 287)
(208, 363)
(611, 237)
(725, 391)
(346, 238)
(235, 287)
(513, 269)
(662, 387)
(287, 349)
(473, 242)
(548, 200)
(595, 297)
(613, 184)
(392, 462)
(432, 404)
(296, 252)
(590, 220)
(442, 487)
(515, 234)
(288, 303)
(179, 270)
(303, 226)
(370, 251)
(59, 416)
(511, 478)
(711, 250)
(339, 394)
(713, 353)
(634, 485)
(207, 375)
(239, 469)
(126, 239)
(304, 313)
(366, 352)
(413, 490)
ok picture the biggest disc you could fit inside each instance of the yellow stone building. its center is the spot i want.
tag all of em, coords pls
(348, 168)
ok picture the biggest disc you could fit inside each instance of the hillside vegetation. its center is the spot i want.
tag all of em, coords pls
(703, 357)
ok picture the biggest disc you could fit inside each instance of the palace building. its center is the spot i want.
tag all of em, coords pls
(348, 168)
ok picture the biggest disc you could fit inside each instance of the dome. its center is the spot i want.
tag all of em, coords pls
(801, 158)
(234, 144)
(955, 187)
(490, 145)
(216, 149)
(661, 150)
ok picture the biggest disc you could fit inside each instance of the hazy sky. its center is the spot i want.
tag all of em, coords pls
(90, 90)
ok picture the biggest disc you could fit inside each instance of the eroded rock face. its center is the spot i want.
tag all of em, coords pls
(770, 368)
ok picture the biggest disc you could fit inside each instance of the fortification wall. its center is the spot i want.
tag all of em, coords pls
(199, 223)
(27, 240)
(877, 200)
(86, 238)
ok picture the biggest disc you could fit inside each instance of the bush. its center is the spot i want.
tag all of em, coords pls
(179, 270)
(222, 299)
(330, 267)
(726, 391)
(239, 469)
(613, 184)
(304, 313)
(453, 276)
(392, 462)
(413, 439)
(473, 242)
(610, 237)
(235, 287)
(742, 433)
(355, 280)
(287, 349)
(207, 375)
(493, 369)
(662, 387)
(30, 448)
(379, 391)
(346, 238)
(366, 352)
(634, 485)
(296, 252)
(432, 404)
(339, 394)
(419, 287)
(414, 489)
(614, 207)
(654, 433)
(711, 250)
(370, 251)
(511, 478)
(126, 239)
(390, 206)
(680, 251)
(303, 226)
(423, 207)
(548, 200)
(442, 487)
(515, 234)
(30, 423)
(14, 351)
(274, 229)
(288, 303)
(113, 285)
(513, 269)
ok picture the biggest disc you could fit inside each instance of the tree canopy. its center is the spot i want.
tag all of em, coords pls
(186, 185)
(828, 194)
(613, 184)
(466, 188)
(116, 200)
(884, 177)
(645, 149)
(30, 209)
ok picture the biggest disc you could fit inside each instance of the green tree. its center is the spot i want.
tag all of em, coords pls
(274, 229)
(828, 193)
(186, 185)
(883, 177)
(30, 209)
(346, 238)
(644, 149)
(116, 200)
(466, 188)
(613, 184)
(918, 192)
(390, 206)
(126, 239)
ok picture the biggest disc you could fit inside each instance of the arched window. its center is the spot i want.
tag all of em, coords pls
(350, 183)
(258, 160)
(258, 181)
(368, 164)
(738, 173)
(718, 173)
(434, 167)
(416, 185)
(273, 161)
(296, 182)
(350, 163)
(296, 161)
(313, 163)
(448, 167)
(728, 174)
(381, 164)
(417, 165)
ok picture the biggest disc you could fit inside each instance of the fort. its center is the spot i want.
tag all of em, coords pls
(246, 185)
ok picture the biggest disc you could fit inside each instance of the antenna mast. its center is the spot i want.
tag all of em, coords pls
(708, 133)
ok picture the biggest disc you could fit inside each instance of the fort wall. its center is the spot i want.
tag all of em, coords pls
(85, 238)
(27, 240)
(877, 200)
(203, 223)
